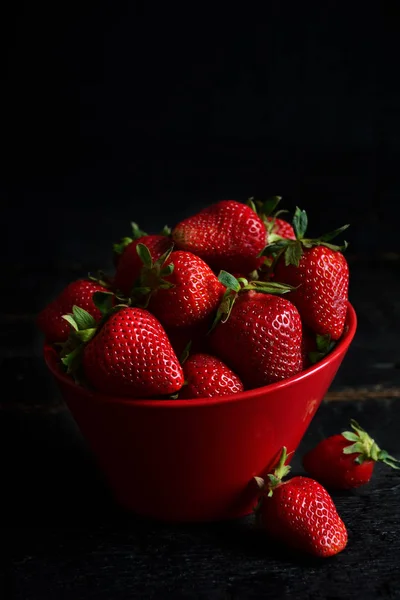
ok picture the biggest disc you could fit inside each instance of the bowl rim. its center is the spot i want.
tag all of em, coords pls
(52, 363)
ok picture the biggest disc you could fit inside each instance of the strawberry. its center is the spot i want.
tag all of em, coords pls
(273, 224)
(182, 291)
(300, 513)
(280, 228)
(129, 264)
(259, 335)
(79, 293)
(346, 460)
(119, 247)
(227, 235)
(319, 272)
(206, 376)
(129, 354)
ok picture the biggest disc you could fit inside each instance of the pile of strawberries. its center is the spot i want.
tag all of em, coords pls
(233, 298)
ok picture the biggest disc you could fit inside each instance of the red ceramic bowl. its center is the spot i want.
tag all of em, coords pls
(194, 460)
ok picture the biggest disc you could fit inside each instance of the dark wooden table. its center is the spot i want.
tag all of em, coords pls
(63, 537)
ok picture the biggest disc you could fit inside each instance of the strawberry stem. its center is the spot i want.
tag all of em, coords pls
(103, 301)
(280, 471)
(101, 278)
(235, 286)
(267, 212)
(366, 448)
(275, 478)
(300, 223)
(83, 328)
(293, 249)
(152, 276)
(165, 231)
(324, 345)
(137, 233)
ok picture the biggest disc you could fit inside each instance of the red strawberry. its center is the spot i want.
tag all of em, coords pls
(128, 355)
(227, 235)
(184, 292)
(206, 376)
(79, 293)
(300, 513)
(320, 274)
(260, 338)
(273, 224)
(129, 264)
(281, 228)
(346, 460)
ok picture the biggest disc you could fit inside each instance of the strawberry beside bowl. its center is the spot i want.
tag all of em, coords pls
(194, 460)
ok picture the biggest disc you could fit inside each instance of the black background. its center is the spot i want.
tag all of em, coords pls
(113, 112)
(116, 111)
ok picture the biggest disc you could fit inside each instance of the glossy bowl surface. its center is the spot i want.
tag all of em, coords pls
(194, 460)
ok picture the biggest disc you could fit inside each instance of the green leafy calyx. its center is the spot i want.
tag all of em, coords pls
(292, 250)
(280, 471)
(137, 233)
(83, 327)
(365, 447)
(101, 278)
(166, 230)
(267, 212)
(236, 286)
(324, 345)
(275, 478)
(153, 275)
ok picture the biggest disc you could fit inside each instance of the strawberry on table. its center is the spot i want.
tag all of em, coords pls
(259, 335)
(300, 513)
(207, 376)
(129, 354)
(227, 235)
(79, 293)
(319, 272)
(346, 460)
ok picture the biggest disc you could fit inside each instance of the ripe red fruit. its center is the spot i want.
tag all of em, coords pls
(346, 460)
(261, 340)
(80, 293)
(274, 225)
(300, 513)
(281, 228)
(182, 290)
(227, 235)
(129, 264)
(322, 281)
(131, 355)
(206, 376)
(320, 274)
